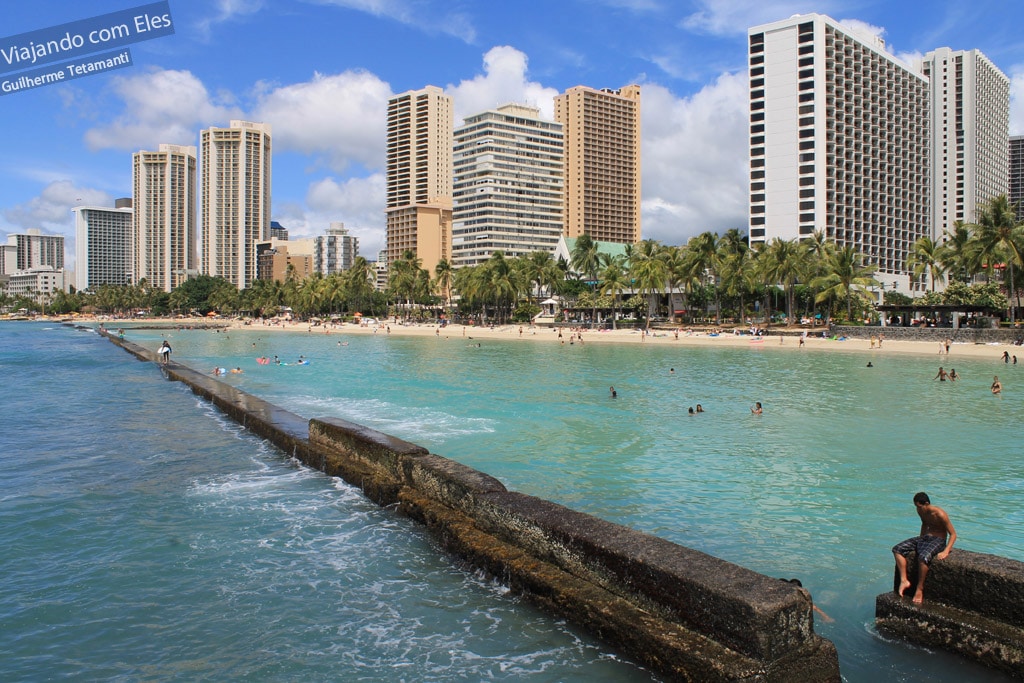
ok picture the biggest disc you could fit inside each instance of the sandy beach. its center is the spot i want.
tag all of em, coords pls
(547, 335)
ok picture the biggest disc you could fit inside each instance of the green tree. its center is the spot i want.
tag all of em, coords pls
(586, 260)
(1000, 239)
(927, 259)
(846, 276)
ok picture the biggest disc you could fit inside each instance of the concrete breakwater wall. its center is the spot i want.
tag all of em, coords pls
(684, 614)
(973, 605)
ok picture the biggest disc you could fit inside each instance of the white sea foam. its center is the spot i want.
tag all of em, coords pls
(402, 421)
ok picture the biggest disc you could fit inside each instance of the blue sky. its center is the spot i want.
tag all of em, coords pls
(321, 71)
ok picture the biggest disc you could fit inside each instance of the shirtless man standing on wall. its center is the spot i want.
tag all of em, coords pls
(931, 544)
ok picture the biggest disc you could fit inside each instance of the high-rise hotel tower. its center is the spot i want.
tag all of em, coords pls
(838, 141)
(846, 139)
(508, 185)
(164, 198)
(419, 176)
(970, 134)
(602, 162)
(235, 199)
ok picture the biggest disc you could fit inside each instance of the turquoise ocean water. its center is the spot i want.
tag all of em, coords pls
(148, 537)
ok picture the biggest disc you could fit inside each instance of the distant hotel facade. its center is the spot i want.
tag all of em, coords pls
(848, 140)
(970, 127)
(419, 176)
(334, 251)
(235, 199)
(104, 245)
(164, 194)
(602, 162)
(838, 142)
(1016, 179)
(508, 188)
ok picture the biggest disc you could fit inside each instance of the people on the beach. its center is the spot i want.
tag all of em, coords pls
(1006, 356)
(997, 386)
(700, 408)
(933, 543)
(952, 375)
(756, 409)
(942, 375)
(870, 364)
(614, 394)
(691, 411)
(165, 353)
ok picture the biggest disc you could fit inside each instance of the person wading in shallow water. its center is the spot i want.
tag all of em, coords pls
(930, 545)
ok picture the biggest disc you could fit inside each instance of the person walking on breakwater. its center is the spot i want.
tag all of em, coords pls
(165, 353)
(931, 544)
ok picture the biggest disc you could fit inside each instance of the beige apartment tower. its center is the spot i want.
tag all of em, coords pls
(602, 162)
(419, 175)
(164, 198)
(235, 199)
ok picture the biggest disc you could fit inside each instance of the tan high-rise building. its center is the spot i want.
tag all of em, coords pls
(419, 175)
(164, 197)
(235, 204)
(602, 162)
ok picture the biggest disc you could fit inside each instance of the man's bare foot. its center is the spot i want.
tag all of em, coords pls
(904, 585)
(918, 598)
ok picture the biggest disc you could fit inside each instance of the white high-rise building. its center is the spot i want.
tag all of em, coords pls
(508, 190)
(235, 199)
(104, 245)
(970, 134)
(164, 197)
(838, 141)
(32, 249)
(334, 251)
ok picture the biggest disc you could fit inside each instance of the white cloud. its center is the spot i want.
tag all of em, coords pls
(694, 160)
(341, 116)
(733, 17)
(431, 20)
(51, 210)
(862, 29)
(160, 106)
(503, 81)
(1017, 100)
(227, 10)
(357, 202)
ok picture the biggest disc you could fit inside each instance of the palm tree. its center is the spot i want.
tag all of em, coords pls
(614, 280)
(959, 258)
(846, 276)
(1000, 238)
(586, 260)
(926, 258)
(405, 278)
(443, 280)
(649, 272)
(502, 282)
(783, 265)
(703, 257)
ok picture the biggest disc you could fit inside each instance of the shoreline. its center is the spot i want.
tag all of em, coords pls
(661, 338)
